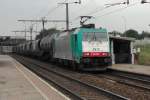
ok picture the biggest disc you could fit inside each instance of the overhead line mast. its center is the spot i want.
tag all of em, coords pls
(31, 31)
(43, 20)
(67, 12)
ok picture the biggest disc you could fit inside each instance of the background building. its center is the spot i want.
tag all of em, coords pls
(7, 43)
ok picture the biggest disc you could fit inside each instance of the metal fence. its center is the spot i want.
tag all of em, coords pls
(142, 42)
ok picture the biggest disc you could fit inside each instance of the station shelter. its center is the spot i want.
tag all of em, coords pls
(122, 50)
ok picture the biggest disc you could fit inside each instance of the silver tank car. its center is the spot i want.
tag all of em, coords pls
(46, 45)
(35, 48)
(62, 46)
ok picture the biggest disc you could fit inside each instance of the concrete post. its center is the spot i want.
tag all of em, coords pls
(112, 51)
(132, 53)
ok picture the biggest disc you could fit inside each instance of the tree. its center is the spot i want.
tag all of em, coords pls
(45, 32)
(131, 33)
(144, 34)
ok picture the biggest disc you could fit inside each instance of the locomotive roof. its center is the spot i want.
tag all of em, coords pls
(90, 30)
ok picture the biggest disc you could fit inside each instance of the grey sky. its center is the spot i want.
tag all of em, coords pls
(135, 17)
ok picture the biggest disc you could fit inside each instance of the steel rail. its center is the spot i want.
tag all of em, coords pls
(106, 92)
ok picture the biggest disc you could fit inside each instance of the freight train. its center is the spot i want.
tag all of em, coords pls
(85, 49)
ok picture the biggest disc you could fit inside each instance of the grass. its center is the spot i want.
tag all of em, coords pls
(144, 56)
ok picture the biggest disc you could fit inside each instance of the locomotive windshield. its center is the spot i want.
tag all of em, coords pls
(95, 36)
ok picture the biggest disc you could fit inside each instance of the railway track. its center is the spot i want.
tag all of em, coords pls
(79, 90)
(131, 76)
(121, 80)
(136, 80)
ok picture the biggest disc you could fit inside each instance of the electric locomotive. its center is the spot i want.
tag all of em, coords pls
(83, 48)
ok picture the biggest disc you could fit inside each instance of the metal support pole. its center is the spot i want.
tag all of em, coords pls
(67, 12)
(31, 29)
(31, 35)
(43, 23)
(67, 16)
(128, 2)
(15, 38)
(25, 31)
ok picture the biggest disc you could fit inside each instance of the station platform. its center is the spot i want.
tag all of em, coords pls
(19, 83)
(141, 69)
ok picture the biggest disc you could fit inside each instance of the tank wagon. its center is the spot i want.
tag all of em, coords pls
(82, 48)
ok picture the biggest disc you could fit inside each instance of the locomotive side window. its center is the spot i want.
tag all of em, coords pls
(75, 37)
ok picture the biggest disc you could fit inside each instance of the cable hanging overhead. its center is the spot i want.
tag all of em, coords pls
(120, 9)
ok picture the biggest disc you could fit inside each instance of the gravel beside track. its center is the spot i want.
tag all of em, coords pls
(129, 74)
(126, 81)
(112, 85)
(122, 89)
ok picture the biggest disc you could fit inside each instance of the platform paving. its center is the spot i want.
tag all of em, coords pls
(18, 83)
(132, 68)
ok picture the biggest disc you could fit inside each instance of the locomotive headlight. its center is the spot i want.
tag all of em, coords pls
(104, 54)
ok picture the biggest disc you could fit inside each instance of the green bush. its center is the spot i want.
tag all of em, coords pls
(144, 56)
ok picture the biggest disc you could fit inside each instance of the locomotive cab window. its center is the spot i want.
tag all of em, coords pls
(95, 36)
